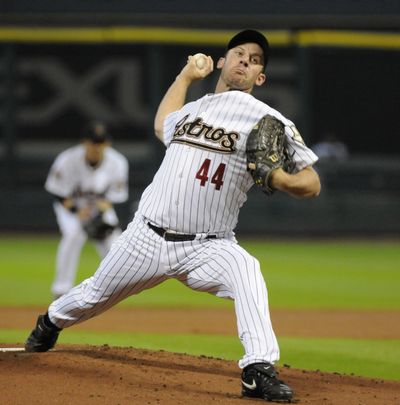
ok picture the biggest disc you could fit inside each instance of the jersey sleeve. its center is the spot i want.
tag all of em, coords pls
(118, 191)
(60, 180)
(301, 154)
(169, 127)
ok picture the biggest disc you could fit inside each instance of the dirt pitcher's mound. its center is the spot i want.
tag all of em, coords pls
(105, 375)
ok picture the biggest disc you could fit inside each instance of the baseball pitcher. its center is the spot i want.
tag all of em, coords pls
(217, 148)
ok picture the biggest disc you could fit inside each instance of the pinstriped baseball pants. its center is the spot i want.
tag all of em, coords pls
(140, 259)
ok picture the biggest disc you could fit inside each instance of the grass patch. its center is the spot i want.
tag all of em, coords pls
(337, 275)
(354, 275)
(368, 358)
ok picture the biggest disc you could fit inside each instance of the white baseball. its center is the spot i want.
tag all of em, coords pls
(200, 60)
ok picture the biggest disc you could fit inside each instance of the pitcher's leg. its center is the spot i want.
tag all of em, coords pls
(104, 246)
(132, 265)
(252, 311)
(229, 271)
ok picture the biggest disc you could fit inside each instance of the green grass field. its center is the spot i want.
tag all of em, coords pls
(299, 274)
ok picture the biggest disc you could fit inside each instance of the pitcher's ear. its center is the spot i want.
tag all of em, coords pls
(261, 79)
(220, 63)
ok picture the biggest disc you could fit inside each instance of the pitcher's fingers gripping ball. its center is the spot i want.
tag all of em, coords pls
(199, 66)
(200, 60)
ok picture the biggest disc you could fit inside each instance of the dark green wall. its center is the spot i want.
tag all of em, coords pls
(49, 91)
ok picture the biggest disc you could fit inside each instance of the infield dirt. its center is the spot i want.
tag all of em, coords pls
(106, 375)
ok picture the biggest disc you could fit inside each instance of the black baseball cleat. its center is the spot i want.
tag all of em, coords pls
(259, 380)
(43, 337)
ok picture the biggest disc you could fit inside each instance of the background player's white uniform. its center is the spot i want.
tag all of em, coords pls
(198, 190)
(72, 177)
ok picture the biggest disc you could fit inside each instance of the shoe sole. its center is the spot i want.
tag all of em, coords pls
(266, 398)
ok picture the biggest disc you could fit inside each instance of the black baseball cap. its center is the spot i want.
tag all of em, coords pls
(253, 36)
(96, 132)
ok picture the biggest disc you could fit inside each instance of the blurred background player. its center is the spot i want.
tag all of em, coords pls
(86, 180)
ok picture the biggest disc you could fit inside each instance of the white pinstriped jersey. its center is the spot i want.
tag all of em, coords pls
(71, 176)
(203, 179)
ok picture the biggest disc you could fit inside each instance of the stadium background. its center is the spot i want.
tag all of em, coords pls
(334, 67)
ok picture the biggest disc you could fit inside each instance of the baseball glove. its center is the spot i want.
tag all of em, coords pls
(96, 228)
(266, 151)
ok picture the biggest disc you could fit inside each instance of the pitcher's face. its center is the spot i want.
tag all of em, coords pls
(242, 67)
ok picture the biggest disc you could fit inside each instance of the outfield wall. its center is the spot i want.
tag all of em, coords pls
(54, 79)
(359, 197)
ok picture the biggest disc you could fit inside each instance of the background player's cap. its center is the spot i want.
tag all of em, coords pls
(96, 132)
(256, 37)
